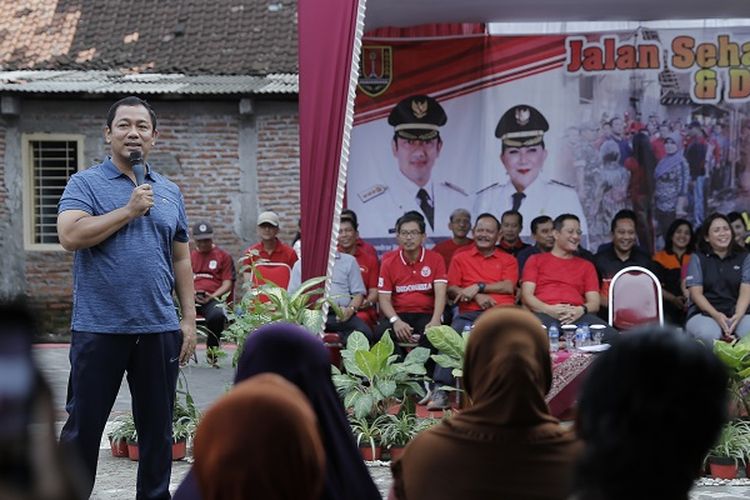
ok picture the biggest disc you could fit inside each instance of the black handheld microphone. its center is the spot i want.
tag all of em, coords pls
(136, 163)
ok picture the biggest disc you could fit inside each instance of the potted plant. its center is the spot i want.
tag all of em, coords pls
(269, 303)
(124, 428)
(374, 381)
(736, 357)
(397, 431)
(730, 449)
(367, 433)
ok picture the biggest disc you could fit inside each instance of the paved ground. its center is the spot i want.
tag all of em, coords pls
(116, 476)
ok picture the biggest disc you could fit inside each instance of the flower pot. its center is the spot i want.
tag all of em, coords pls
(133, 451)
(722, 467)
(179, 449)
(396, 452)
(367, 453)
(119, 447)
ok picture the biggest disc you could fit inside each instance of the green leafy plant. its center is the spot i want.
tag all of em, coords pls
(736, 357)
(367, 432)
(374, 380)
(269, 303)
(733, 443)
(186, 415)
(451, 347)
(124, 429)
(398, 430)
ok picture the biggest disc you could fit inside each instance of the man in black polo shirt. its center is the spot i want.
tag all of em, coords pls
(622, 253)
(542, 229)
(511, 224)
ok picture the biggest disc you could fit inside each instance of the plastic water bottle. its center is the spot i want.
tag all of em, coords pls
(580, 337)
(570, 341)
(554, 338)
(467, 328)
(587, 333)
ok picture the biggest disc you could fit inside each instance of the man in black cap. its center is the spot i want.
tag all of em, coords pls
(213, 277)
(527, 190)
(416, 144)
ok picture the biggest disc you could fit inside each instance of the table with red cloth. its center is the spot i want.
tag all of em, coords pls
(568, 371)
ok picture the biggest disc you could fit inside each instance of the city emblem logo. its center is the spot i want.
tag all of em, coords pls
(426, 271)
(213, 265)
(375, 69)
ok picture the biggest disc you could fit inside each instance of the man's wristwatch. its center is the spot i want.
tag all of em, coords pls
(585, 309)
(481, 287)
(393, 319)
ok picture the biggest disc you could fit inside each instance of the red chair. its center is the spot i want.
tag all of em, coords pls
(277, 273)
(635, 298)
(332, 341)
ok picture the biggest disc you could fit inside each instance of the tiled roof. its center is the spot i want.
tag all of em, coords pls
(117, 82)
(192, 37)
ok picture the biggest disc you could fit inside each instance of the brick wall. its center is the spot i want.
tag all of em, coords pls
(278, 170)
(198, 151)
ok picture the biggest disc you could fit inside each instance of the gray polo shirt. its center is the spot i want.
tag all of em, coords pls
(125, 283)
(345, 282)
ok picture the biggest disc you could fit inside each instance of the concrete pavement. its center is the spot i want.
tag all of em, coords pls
(115, 477)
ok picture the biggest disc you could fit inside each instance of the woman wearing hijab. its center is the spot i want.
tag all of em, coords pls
(260, 441)
(505, 444)
(671, 179)
(301, 358)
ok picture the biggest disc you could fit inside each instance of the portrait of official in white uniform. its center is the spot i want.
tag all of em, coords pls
(527, 189)
(408, 183)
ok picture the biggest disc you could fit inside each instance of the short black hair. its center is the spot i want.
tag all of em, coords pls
(411, 216)
(487, 215)
(348, 212)
(536, 221)
(733, 216)
(636, 394)
(130, 101)
(560, 220)
(513, 212)
(350, 220)
(624, 214)
(668, 245)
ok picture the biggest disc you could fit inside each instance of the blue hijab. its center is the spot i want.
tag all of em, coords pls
(300, 357)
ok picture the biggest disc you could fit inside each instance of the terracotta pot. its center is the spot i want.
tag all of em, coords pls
(119, 448)
(133, 451)
(722, 468)
(396, 452)
(368, 455)
(179, 450)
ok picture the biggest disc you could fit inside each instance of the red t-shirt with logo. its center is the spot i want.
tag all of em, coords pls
(210, 269)
(560, 281)
(471, 267)
(411, 283)
(281, 253)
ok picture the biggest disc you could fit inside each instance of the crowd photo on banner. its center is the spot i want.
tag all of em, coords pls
(656, 121)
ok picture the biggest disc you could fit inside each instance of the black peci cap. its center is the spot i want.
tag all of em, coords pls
(520, 126)
(418, 117)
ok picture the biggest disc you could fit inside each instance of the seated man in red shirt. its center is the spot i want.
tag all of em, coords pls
(478, 279)
(213, 277)
(269, 248)
(560, 287)
(483, 276)
(368, 266)
(362, 245)
(412, 286)
(460, 225)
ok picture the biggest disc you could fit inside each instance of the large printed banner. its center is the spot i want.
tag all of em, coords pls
(656, 121)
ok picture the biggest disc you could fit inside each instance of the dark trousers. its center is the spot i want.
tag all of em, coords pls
(215, 321)
(417, 321)
(345, 328)
(97, 364)
(609, 334)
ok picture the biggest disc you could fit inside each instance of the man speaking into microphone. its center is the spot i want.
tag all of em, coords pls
(128, 228)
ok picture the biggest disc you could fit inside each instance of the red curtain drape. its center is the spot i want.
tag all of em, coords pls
(326, 39)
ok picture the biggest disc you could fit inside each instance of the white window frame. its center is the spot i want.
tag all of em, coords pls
(28, 185)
